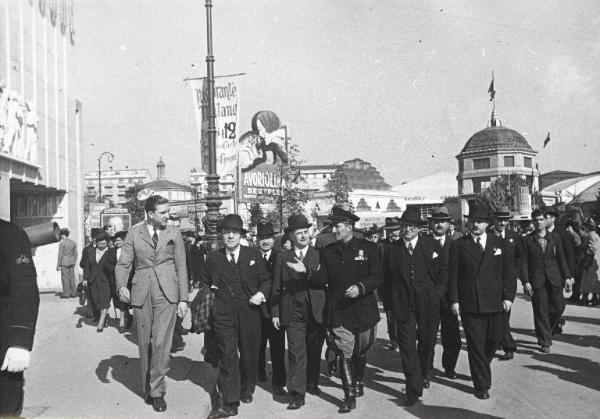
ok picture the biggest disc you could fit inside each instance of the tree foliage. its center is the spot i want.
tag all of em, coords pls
(338, 186)
(133, 205)
(502, 192)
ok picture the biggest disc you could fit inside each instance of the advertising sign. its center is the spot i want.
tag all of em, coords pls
(262, 153)
(116, 221)
(226, 93)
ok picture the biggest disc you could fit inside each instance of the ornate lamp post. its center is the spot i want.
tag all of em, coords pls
(110, 157)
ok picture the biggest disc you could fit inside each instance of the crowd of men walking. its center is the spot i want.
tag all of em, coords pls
(312, 293)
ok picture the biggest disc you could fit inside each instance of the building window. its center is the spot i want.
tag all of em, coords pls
(480, 184)
(481, 163)
(528, 162)
(509, 161)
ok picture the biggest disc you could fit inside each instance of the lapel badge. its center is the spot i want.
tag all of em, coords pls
(22, 259)
(361, 255)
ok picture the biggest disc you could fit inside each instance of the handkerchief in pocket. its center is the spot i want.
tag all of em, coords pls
(497, 252)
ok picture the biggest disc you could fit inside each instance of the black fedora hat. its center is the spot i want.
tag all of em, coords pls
(552, 210)
(264, 230)
(411, 216)
(339, 215)
(392, 223)
(478, 211)
(502, 212)
(441, 213)
(232, 222)
(297, 222)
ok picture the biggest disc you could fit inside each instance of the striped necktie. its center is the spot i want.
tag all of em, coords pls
(155, 238)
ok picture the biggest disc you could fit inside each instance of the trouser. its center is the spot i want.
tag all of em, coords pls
(67, 276)
(508, 344)
(450, 334)
(305, 338)
(276, 340)
(11, 393)
(392, 327)
(155, 322)
(484, 333)
(351, 343)
(237, 329)
(548, 305)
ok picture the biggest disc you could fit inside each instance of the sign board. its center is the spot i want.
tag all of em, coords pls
(116, 221)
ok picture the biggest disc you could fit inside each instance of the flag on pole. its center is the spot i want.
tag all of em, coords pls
(491, 90)
(547, 140)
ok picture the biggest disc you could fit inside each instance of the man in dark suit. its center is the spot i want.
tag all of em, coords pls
(298, 307)
(67, 257)
(419, 278)
(452, 232)
(241, 283)
(159, 292)
(351, 270)
(481, 286)
(450, 328)
(511, 242)
(275, 337)
(544, 273)
(392, 228)
(19, 304)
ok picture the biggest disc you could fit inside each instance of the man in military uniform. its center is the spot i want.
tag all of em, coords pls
(392, 228)
(19, 304)
(351, 270)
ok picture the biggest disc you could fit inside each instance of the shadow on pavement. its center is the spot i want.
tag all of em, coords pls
(588, 320)
(582, 371)
(588, 341)
(421, 410)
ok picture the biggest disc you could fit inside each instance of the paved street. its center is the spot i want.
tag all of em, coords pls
(78, 372)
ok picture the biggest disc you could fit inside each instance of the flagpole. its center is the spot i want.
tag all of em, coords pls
(552, 151)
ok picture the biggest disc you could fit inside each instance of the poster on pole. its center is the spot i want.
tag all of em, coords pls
(226, 92)
(262, 154)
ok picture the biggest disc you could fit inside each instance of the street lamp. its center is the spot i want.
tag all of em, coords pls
(109, 157)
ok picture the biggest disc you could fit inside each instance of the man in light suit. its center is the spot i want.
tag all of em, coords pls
(159, 292)
(67, 256)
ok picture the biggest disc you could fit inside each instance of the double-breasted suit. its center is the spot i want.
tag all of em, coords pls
(418, 282)
(299, 305)
(480, 281)
(546, 271)
(67, 257)
(237, 323)
(159, 283)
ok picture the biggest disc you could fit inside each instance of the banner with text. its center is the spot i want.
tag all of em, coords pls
(226, 93)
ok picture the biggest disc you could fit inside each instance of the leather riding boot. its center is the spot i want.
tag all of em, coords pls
(359, 363)
(349, 402)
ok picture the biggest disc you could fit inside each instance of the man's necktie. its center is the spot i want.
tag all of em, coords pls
(478, 240)
(300, 256)
(232, 259)
(155, 238)
(265, 257)
(410, 248)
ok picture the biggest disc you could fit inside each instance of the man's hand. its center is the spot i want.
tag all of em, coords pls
(276, 324)
(507, 304)
(455, 309)
(182, 308)
(16, 360)
(123, 294)
(352, 292)
(528, 289)
(257, 299)
(297, 266)
(569, 284)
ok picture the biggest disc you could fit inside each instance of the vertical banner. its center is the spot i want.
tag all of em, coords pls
(226, 121)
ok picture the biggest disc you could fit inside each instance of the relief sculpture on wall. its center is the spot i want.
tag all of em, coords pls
(18, 125)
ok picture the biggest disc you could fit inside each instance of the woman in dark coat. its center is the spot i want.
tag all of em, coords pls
(101, 268)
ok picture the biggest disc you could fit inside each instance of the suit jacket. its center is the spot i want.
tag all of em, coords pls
(270, 264)
(67, 253)
(289, 284)
(480, 281)
(166, 263)
(254, 275)
(403, 289)
(539, 266)
(512, 247)
(444, 251)
(384, 292)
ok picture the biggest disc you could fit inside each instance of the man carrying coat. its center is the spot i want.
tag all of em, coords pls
(159, 292)
(481, 287)
(419, 278)
(297, 306)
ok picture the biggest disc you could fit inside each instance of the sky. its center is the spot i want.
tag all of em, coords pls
(402, 84)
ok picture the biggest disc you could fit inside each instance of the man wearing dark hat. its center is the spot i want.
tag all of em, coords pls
(241, 282)
(452, 232)
(297, 307)
(392, 229)
(450, 328)
(511, 242)
(67, 257)
(275, 337)
(544, 273)
(351, 270)
(481, 287)
(419, 277)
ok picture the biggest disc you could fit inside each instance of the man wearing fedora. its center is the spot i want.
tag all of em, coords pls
(511, 240)
(239, 278)
(452, 232)
(67, 257)
(275, 337)
(481, 287)
(419, 278)
(297, 307)
(392, 229)
(159, 292)
(351, 270)
(450, 328)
